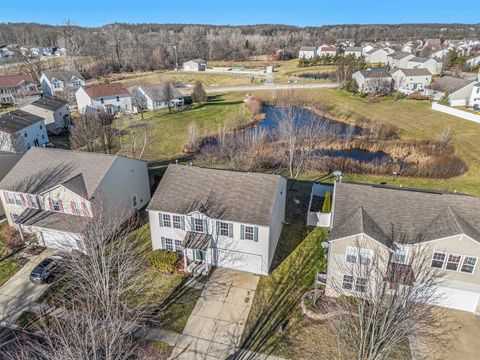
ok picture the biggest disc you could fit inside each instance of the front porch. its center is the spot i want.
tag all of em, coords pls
(197, 256)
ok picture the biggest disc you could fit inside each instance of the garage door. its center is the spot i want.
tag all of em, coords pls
(458, 299)
(238, 261)
(60, 240)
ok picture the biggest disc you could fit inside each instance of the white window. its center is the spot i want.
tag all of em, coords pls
(18, 199)
(169, 244)
(352, 254)
(178, 246)
(468, 265)
(249, 233)
(438, 260)
(400, 253)
(134, 201)
(366, 256)
(347, 282)
(166, 220)
(177, 221)
(198, 225)
(76, 208)
(33, 201)
(223, 229)
(361, 284)
(453, 262)
(10, 198)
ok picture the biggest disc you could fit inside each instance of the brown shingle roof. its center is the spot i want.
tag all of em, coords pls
(220, 194)
(14, 80)
(414, 72)
(105, 90)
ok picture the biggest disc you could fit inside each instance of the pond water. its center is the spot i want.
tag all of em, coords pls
(316, 76)
(357, 154)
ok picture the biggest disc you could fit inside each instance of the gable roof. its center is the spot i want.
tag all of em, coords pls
(100, 90)
(14, 80)
(198, 61)
(41, 169)
(158, 92)
(16, 120)
(374, 50)
(419, 59)
(402, 214)
(64, 76)
(220, 194)
(327, 48)
(449, 84)
(413, 72)
(308, 48)
(354, 49)
(375, 73)
(51, 103)
(399, 55)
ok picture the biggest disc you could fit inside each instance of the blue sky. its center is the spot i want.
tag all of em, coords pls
(294, 12)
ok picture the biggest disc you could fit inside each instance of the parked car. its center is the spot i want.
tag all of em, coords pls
(48, 269)
(48, 145)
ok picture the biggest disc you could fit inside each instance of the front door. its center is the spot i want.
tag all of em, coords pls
(199, 255)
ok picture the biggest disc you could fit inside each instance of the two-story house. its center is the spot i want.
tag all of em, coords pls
(392, 225)
(373, 81)
(157, 96)
(16, 87)
(53, 110)
(59, 81)
(20, 130)
(111, 98)
(398, 59)
(430, 64)
(411, 80)
(307, 52)
(218, 218)
(55, 193)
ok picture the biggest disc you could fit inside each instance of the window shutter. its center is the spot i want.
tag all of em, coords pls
(230, 230)
(22, 198)
(29, 202)
(162, 243)
(50, 202)
(72, 205)
(5, 196)
(242, 232)
(217, 227)
(60, 205)
(160, 219)
(84, 208)
(255, 234)
(182, 222)
(205, 226)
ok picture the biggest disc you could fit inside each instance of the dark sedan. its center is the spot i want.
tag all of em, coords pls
(47, 270)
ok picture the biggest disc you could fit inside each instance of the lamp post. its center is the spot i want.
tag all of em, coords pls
(176, 57)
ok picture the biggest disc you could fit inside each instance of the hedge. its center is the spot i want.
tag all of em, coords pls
(164, 261)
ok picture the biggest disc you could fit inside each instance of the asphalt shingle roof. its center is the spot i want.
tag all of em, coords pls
(158, 92)
(49, 103)
(65, 76)
(375, 73)
(449, 84)
(105, 90)
(229, 195)
(402, 214)
(16, 120)
(413, 72)
(9, 81)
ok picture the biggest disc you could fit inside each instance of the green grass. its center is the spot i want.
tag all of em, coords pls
(167, 132)
(297, 259)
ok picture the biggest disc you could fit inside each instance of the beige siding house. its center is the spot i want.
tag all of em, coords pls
(408, 81)
(53, 110)
(388, 225)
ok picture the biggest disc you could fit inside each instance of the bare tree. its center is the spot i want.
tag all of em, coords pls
(383, 296)
(93, 132)
(139, 102)
(344, 69)
(192, 142)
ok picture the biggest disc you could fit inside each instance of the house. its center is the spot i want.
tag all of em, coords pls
(430, 64)
(157, 96)
(53, 110)
(377, 56)
(433, 44)
(111, 98)
(218, 218)
(195, 65)
(7, 162)
(408, 81)
(458, 90)
(391, 225)
(398, 59)
(59, 81)
(356, 51)
(366, 47)
(325, 50)
(5, 52)
(473, 62)
(440, 54)
(16, 87)
(55, 194)
(20, 130)
(407, 47)
(475, 96)
(373, 81)
(307, 52)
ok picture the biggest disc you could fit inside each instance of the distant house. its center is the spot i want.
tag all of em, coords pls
(377, 56)
(398, 59)
(407, 47)
(433, 44)
(307, 52)
(218, 218)
(366, 47)
(20, 130)
(440, 54)
(475, 96)
(53, 110)
(5, 52)
(373, 81)
(458, 90)
(195, 65)
(16, 87)
(157, 96)
(56, 194)
(430, 64)
(473, 62)
(356, 51)
(325, 50)
(110, 98)
(7, 162)
(411, 80)
(56, 81)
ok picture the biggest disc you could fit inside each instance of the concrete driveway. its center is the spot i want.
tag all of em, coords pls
(216, 325)
(460, 340)
(18, 293)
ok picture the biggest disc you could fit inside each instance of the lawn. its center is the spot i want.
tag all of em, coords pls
(297, 259)
(167, 132)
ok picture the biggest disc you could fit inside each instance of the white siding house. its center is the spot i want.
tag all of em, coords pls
(325, 50)
(430, 64)
(19, 131)
(218, 218)
(56, 194)
(475, 97)
(399, 59)
(458, 90)
(110, 98)
(14, 88)
(307, 52)
(373, 81)
(7, 162)
(411, 80)
(195, 65)
(377, 56)
(59, 81)
(157, 96)
(356, 51)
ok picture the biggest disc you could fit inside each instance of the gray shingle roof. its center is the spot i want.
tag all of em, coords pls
(158, 92)
(376, 73)
(229, 195)
(41, 169)
(419, 59)
(413, 72)
(51, 103)
(398, 55)
(16, 120)
(64, 76)
(449, 84)
(402, 214)
(53, 220)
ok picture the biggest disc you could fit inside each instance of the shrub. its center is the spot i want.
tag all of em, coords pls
(327, 203)
(10, 238)
(164, 261)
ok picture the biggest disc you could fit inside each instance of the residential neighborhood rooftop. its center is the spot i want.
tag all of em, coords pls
(64, 75)
(100, 90)
(50, 103)
(159, 92)
(220, 194)
(413, 72)
(375, 73)
(449, 84)
(398, 55)
(419, 59)
(16, 120)
(14, 80)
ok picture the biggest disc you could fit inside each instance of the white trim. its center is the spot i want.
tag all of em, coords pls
(462, 259)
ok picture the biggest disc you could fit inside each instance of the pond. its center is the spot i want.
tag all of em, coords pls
(316, 76)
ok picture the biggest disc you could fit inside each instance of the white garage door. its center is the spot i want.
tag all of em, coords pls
(60, 240)
(239, 261)
(458, 299)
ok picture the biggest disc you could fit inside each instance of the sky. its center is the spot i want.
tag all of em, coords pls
(230, 12)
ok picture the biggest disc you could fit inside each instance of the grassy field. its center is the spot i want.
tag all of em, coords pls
(287, 68)
(168, 131)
